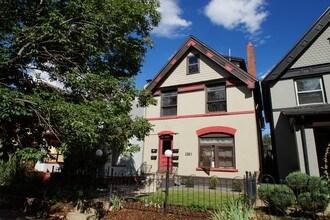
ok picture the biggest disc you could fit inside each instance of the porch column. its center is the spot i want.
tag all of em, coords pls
(312, 153)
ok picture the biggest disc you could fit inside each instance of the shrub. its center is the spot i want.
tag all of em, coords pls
(190, 182)
(316, 198)
(313, 202)
(297, 181)
(116, 202)
(236, 208)
(237, 185)
(317, 184)
(278, 197)
(214, 181)
(12, 171)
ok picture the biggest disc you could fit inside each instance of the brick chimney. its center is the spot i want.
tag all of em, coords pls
(251, 59)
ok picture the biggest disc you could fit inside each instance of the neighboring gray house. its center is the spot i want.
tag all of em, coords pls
(296, 96)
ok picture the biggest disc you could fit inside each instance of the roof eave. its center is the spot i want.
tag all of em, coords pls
(211, 54)
(299, 48)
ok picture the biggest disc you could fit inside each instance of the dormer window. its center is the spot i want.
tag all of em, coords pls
(192, 64)
(309, 91)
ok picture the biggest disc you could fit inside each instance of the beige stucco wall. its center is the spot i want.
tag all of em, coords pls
(318, 53)
(208, 71)
(192, 116)
(188, 103)
(186, 140)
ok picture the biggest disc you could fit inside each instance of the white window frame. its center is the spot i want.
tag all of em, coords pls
(309, 91)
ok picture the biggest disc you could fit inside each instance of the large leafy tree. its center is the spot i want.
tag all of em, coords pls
(94, 48)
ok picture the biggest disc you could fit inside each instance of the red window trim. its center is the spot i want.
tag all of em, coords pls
(216, 129)
(217, 169)
(161, 133)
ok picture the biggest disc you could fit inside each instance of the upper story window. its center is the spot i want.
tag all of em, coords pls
(169, 103)
(309, 91)
(216, 98)
(193, 64)
(216, 151)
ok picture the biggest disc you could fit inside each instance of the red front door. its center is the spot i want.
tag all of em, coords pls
(165, 143)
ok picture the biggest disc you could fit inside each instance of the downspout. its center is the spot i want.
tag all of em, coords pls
(304, 144)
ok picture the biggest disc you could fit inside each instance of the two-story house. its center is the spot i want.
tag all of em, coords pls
(296, 98)
(208, 114)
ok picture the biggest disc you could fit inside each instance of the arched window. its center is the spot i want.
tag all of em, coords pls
(216, 147)
(216, 150)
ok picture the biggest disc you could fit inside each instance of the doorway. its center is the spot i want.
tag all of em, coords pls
(165, 143)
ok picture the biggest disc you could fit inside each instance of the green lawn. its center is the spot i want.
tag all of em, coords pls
(208, 199)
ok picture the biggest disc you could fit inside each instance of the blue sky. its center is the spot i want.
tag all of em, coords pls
(272, 26)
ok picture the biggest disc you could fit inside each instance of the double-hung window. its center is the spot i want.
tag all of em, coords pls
(193, 64)
(309, 91)
(216, 98)
(216, 151)
(169, 103)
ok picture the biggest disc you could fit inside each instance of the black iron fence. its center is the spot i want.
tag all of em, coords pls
(187, 195)
(192, 195)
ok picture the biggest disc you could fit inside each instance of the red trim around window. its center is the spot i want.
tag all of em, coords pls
(217, 169)
(165, 133)
(216, 129)
(191, 88)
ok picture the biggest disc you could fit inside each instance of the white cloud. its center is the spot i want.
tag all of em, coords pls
(231, 14)
(262, 75)
(43, 76)
(171, 25)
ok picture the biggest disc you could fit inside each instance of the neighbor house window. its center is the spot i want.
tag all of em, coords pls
(169, 103)
(193, 64)
(309, 91)
(216, 98)
(216, 151)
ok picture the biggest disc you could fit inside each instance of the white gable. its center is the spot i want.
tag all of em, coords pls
(208, 71)
(318, 53)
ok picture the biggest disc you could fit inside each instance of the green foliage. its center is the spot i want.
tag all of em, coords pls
(31, 154)
(297, 181)
(116, 202)
(313, 202)
(267, 143)
(94, 49)
(315, 197)
(12, 171)
(196, 207)
(318, 184)
(214, 181)
(190, 181)
(278, 197)
(311, 192)
(236, 208)
(237, 185)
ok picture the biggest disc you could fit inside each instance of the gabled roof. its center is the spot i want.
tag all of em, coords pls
(300, 47)
(292, 56)
(193, 42)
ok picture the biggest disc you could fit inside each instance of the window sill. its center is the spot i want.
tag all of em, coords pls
(217, 169)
